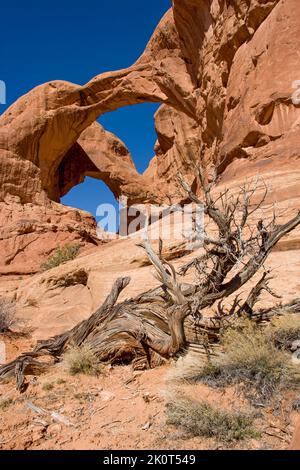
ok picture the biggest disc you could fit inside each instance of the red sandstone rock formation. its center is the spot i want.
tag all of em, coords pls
(223, 71)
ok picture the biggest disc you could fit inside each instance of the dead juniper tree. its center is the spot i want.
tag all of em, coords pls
(164, 321)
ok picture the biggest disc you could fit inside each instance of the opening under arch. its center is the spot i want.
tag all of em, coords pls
(89, 195)
(135, 126)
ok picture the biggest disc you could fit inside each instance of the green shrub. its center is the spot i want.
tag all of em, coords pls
(61, 255)
(202, 419)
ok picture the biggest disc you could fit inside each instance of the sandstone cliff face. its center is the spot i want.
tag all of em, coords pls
(177, 147)
(223, 71)
(243, 105)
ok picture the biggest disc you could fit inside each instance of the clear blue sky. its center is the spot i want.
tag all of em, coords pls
(75, 40)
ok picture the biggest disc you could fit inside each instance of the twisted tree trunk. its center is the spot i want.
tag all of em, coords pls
(165, 321)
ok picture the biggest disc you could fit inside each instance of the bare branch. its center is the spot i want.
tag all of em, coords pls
(165, 272)
(254, 295)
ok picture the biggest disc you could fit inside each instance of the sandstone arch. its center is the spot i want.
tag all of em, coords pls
(42, 126)
(101, 155)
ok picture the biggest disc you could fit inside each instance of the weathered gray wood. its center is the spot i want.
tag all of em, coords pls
(167, 320)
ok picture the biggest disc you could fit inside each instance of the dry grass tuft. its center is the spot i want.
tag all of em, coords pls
(60, 256)
(47, 387)
(5, 403)
(202, 419)
(186, 368)
(251, 359)
(284, 330)
(82, 361)
(61, 381)
(7, 315)
(32, 302)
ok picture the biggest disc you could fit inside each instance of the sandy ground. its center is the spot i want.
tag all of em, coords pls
(120, 409)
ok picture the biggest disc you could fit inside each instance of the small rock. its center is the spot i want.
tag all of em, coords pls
(146, 397)
(146, 426)
(54, 429)
(295, 345)
(37, 434)
(40, 422)
(106, 396)
(61, 419)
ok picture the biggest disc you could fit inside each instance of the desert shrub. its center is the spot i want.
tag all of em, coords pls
(47, 386)
(252, 361)
(7, 315)
(199, 418)
(61, 255)
(32, 302)
(81, 361)
(61, 381)
(296, 404)
(284, 330)
(187, 368)
(5, 403)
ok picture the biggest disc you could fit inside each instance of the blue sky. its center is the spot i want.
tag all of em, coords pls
(74, 41)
